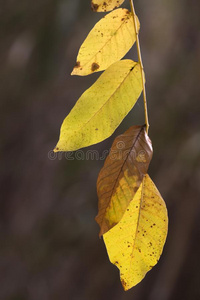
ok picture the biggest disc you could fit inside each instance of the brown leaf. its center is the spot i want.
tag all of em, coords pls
(121, 175)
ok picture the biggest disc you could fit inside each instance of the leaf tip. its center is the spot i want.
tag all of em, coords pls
(100, 233)
(124, 284)
(76, 68)
(56, 149)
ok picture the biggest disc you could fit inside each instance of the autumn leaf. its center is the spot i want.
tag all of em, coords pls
(102, 107)
(105, 5)
(109, 40)
(121, 175)
(135, 244)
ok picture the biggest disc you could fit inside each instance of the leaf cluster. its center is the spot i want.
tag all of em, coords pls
(131, 213)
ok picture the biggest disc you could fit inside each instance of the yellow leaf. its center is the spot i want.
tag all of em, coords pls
(102, 107)
(109, 40)
(135, 244)
(121, 175)
(105, 5)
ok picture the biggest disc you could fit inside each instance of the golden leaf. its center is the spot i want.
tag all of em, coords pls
(105, 5)
(109, 40)
(135, 244)
(102, 107)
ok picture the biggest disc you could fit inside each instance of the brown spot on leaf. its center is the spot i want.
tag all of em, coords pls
(123, 283)
(94, 6)
(77, 65)
(94, 67)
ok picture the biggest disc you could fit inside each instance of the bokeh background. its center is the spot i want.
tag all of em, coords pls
(49, 245)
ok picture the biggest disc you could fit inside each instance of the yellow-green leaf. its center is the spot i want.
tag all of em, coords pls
(121, 175)
(135, 244)
(102, 107)
(109, 40)
(105, 5)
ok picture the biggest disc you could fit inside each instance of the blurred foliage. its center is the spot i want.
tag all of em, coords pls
(49, 240)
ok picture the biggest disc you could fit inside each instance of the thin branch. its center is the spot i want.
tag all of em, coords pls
(141, 65)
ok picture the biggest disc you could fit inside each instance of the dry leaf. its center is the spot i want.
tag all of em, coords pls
(121, 175)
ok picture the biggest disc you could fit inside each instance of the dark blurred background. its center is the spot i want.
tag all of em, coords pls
(49, 246)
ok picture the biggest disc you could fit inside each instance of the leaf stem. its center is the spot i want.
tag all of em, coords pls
(141, 65)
